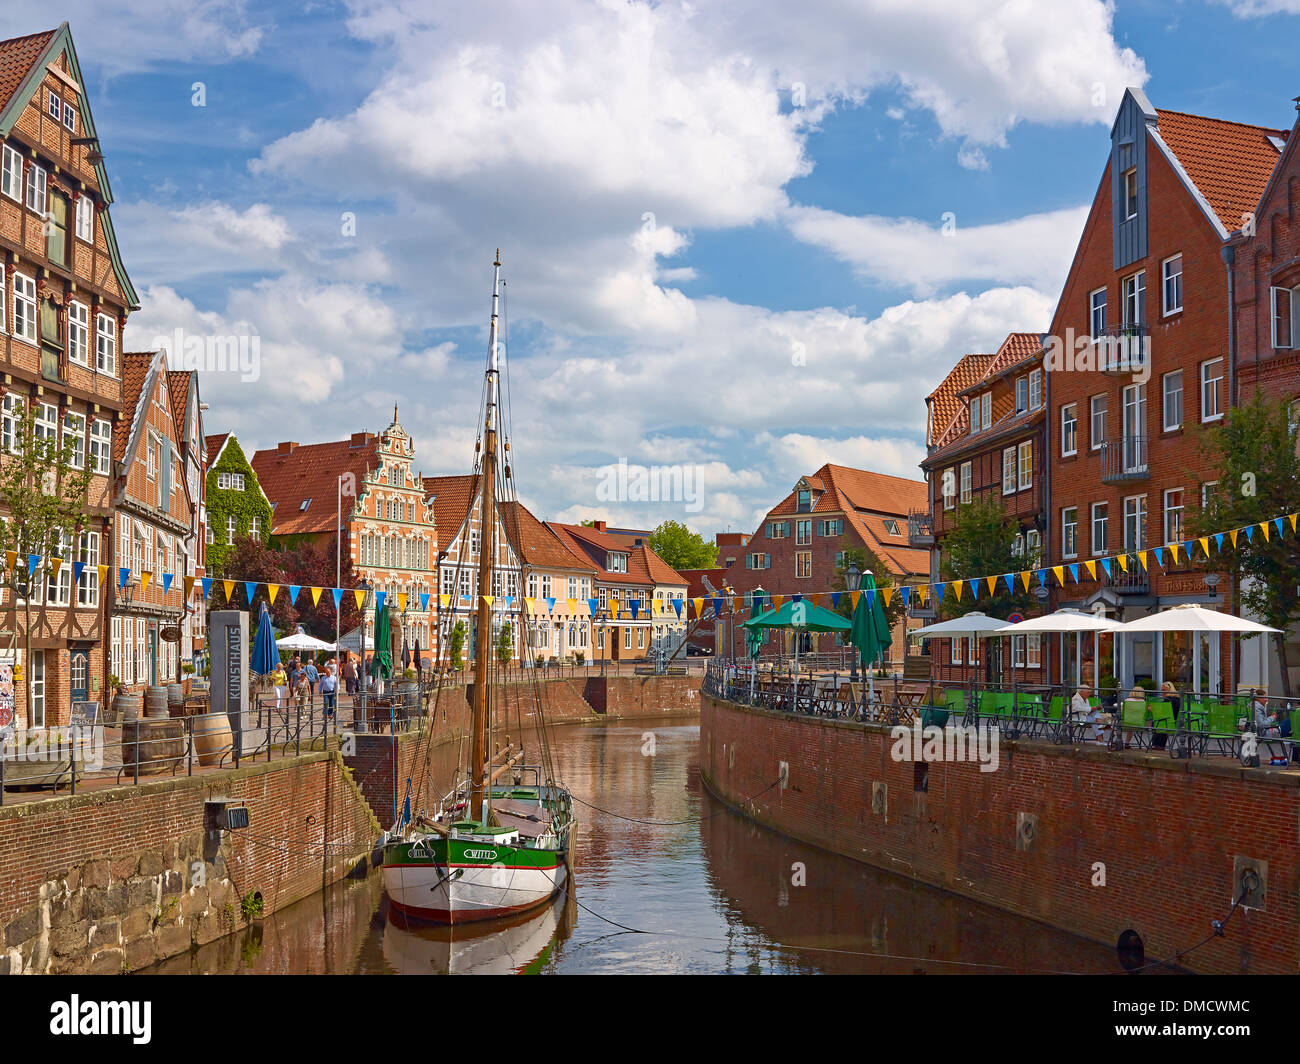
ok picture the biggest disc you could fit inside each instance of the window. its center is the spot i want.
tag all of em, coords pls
(100, 446)
(981, 412)
(36, 189)
(1008, 470)
(85, 224)
(1135, 523)
(1173, 401)
(833, 528)
(1097, 312)
(1022, 394)
(74, 436)
(627, 638)
(1207, 491)
(38, 690)
(1130, 193)
(230, 530)
(69, 117)
(1171, 275)
(1096, 422)
(54, 105)
(151, 458)
(949, 485)
(24, 308)
(802, 532)
(803, 564)
(11, 174)
(302, 506)
(255, 528)
(778, 529)
(1033, 545)
(805, 501)
(986, 407)
(1070, 532)
(616, 563)
(79, 333)
(1069, 430)
(1100, 527)
(105, 344)
(954, 651)
(11, 424)
(1025, 458)
(891, 527)
(47, 424)
(1211, 378)
(1286, 310)
(1034, 651)
(758, 561)
(965, 482)
(1035, 389)
(231, 481)
(56, 230)
(1134, 293)
(58, 586)
(1174, 515)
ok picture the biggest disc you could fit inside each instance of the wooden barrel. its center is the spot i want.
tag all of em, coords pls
(126, 707)
(175, 700)
(155, 703)
(212, 738)
(157, 745)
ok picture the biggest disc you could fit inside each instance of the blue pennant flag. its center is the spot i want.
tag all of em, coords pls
(205, 580)
(124, 574)
(250, 587)
(871, 598)
(593, 605)
(1160, 556)
(835, 599)
(33, 560)
(424, 601)
(1218, 542)
(1074, 571)
(1187, 549)
(293, 593)
(77, 569)
(1105, 564)
(974, 586)
(1042, 577)
(796, 598)
(550, 605)
(635, 606)
(1011, 581)
(167, 580)
(677, 607)
(337, 592)
(938, 591)
(1277, 523)
(379, 599)
(468, 599)
(1250, 533)
(906, 593)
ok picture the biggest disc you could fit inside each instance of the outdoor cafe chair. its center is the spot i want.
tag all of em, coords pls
(1133, 722)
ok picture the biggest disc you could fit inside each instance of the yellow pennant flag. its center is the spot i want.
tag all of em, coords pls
(1142, 557)
(55, 564)
(1264, 528)
(1123, 561)
(1024, 579)
(1173, 550)
(887, 593)
(573, 607)
(956, 589)
(487, 598)
(1058, 571)
(360, 595)
(1233, 534)
(315, 595)
(11, 559)
(816, 599)
(271, 591)
(993, 583)
(1092, 569)
(228, 585)
(1205, 545)
(401, 600)
(853, 598)
(777, 600)
(444, 601)
(145, 576)
(1292, 519)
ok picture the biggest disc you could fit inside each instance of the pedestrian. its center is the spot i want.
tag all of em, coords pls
(350, 674)
(313, 677)
(302, 690)
(281, 684)
(329, 686)
(293, 670)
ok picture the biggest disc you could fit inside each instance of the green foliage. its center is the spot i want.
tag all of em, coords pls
(225, 502)
(681, 548)
(250, 906)
(457, 647)
(867, 561)
(1259, 479)
(979, 545)
(505, 646)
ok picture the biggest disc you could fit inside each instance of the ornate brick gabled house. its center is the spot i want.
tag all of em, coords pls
(235, 504)
(154, 526)
(797, 548)
(64, 298)
(388, 525)
(1148, 279)
(187, 410)
(634, 589)
(992, 449)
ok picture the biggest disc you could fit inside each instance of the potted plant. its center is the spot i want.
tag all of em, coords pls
(580, 657)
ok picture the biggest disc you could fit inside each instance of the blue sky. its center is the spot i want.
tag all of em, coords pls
(720, 223)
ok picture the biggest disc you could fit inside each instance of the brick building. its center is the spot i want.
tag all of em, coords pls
(64, 298)
(364, 484)
(1138, 361)
(154, 528)
(797, 548)
(988, 444)
(1266, 334)
(187, 410)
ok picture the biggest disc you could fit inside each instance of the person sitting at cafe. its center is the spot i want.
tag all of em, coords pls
(1265, 723)
(1085, 714)
(1170, 694)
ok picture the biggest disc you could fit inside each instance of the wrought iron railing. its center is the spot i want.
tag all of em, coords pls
(1125, 459)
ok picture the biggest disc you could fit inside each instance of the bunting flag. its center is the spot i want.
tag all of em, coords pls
(1264, 528)
(207, 586)
(295, 588)
(55, 565)
(1092, 569)
(550, 604)
(229, 586)
(510, 601)
(1024, 579)
(1123, 561)
(145, 576)
(1142, 557)
(1205, 545)
(379, 599)
(887, 592)
(1292, 518)
(103, 574)
(531, 605)
(489, 599)
(77, 569)
(1250, 534)
(635, 606)
(1218, 542)
(778, 599)
(594, 604)
(250, 589)
(871, 599)
(271, 591)
(444, 601)
(360, 595)
(1042, 577)
(33, 560)
(123, 575)
(187, 586)
(1160, 556)
(677, 606)
(1011, 583)
(1105, 564)
(401, 601)
(699, 606)
(1058, 571)
(167, 579)
(938, 591)
(1074, 571)
(797, 598)
(337, 592)
(835, 599)
(424, 601)
(1187, 548)
(905, 593)
(853, 598)
(11, 559)
(974, 588)
(315, 595)
(1233, 534)
(993, 583)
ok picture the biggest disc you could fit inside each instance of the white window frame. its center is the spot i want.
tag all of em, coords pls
(1133, 290)
(11, 174)
(10, 423)
(1136, 517)
(25, 323)
(101, 446)
(84, 219)
(1097, 438)
(1025, 464)
(1008, 470)
(1168, 278)
(965, 482)
(69, 117)
(74, 430)
(1070, 418)
(1177, 512)
(1285, 308)
(1069, 532)
(78, 333)
(1208, 383)
(955, 654)
(1100, 514)
(54, 105)
(1097, 312)
(88, 583)
(1035, 389)
(949, 477)
(37, 185)
(1022, 385)
(1165, 382)
(1130, 178)
(106, 344)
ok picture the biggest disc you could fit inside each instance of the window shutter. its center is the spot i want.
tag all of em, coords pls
(165, 474)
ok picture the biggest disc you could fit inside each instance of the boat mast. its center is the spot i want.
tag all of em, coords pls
(487, 550)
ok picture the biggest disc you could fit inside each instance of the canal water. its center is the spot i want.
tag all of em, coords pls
(717, 894)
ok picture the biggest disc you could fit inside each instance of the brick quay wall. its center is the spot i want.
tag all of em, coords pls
(112, 880)
(1081, 838)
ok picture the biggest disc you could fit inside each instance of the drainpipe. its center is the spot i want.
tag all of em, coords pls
(1229, 255)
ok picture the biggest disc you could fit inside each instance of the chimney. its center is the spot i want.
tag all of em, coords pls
(360, 439)
(285, 448)
(599, 526)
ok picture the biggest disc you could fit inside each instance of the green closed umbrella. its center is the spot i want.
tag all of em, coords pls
(383, 653)
(802, 616)
(870, 632)
(754, 645)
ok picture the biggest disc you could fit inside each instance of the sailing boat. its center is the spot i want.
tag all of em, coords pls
(490, 849)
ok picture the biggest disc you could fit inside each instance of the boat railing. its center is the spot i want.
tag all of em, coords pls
(1183, 723)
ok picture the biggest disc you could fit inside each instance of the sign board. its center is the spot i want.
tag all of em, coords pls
(1015, 618)
(84, 714)
(228, 642)
(170, 634)
(6, 695)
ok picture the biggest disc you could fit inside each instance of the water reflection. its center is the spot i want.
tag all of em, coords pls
(719, 893)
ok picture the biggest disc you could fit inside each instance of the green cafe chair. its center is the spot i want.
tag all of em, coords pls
(1133, 720)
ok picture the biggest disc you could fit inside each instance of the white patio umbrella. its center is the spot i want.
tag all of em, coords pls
(300, 640)
(1065, 622)
(1190, 617)
(973, 623)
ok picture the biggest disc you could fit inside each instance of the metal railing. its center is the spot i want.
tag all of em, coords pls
(1124, 459)
(1183, 725)
(1124, 348)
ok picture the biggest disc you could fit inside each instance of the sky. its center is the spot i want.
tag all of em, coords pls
(740, 239)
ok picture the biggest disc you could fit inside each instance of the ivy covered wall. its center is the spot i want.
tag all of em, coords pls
(226, 502)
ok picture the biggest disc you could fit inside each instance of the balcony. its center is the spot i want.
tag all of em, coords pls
(1124, 459)
(920, 528)
(1123, 348)
(1135, 582)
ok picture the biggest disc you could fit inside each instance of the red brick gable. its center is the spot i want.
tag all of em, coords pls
(291, 475)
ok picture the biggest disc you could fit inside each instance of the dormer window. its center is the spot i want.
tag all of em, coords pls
(616, 563)
(805, 500)
(303, 507)
(981, 412)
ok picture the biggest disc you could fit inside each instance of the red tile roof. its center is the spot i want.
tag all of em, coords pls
(310, 472)
(644, 566)
(17, 56)
(1229, 162)
(178, 387)
(948, 414)
(212, 447)
(451, 501)
(135, 368)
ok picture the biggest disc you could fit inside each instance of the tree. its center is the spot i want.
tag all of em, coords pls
(457, 650)
(981, 545)
(505, 644)
(867, 561)
(1259, 479)
(44, 498)
(681, 548)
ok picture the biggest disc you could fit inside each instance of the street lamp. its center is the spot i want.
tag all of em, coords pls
(1212, 582)
(852, 576)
